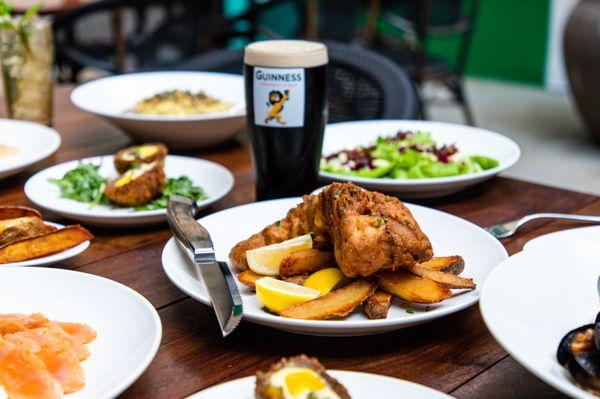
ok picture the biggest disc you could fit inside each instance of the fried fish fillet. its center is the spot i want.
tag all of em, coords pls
(369, 231)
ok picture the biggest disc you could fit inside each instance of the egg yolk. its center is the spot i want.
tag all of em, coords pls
(302, 381)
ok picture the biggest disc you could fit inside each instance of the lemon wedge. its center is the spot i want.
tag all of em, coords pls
(277, 295)
(266, 260)
(324, 280)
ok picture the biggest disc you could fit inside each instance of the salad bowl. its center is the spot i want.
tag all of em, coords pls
(471, 155)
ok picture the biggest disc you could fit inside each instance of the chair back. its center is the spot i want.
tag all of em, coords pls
(362, 84)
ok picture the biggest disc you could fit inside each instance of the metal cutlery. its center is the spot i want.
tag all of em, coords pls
(507, 229)
(196, 242)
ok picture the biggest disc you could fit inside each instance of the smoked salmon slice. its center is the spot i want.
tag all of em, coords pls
(24, 375)
(12, 323)
(81, 332)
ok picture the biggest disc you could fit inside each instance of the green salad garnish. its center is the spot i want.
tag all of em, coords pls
(407, 155)
(85, 184)
(180, 186)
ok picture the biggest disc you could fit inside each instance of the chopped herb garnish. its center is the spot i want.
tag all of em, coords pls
(385, 219)
(388, 199)
(427, 308)
(278, 223)
(410, 311)
(379, 222)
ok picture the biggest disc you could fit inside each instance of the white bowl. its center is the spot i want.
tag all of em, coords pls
(359, 385)
(213, 178)
(129, 328)
(111, 98)
(469, 140)
(34, 143)
(449, 235)
(531, 300)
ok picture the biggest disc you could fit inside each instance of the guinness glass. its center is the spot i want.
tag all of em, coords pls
(286, 97)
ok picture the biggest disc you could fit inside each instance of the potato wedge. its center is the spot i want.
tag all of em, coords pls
(44, 244)
(16, 211)
(26, 226)
(338, 303)
(299, 279)
(305, 261)
(378, 305)
(249, 278)
(449, 280)
(448, 264)
(413, 288)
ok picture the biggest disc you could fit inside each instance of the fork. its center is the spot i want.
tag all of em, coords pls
(507, 229)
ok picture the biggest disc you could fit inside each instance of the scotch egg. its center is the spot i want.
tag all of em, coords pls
(132, 157)
(137, 186)
(298, 377)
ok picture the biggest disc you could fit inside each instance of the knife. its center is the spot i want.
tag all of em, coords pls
(196, 242)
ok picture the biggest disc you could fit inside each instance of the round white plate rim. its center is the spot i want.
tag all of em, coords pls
(332, 325)
(544, 239)
(71, 252)
(564, 386)
(49, 150)
(157, 118)
(137, 372)
(386, 181)
(337, 374)
(132, 215)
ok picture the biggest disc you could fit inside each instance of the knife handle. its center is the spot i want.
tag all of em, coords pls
(200, 245)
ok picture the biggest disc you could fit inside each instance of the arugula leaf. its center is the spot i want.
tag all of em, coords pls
(83, 184)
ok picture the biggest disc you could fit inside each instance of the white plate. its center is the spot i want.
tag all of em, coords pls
(33, 141)
(215, 179)
(359, 385)
(449, 235)
(469, 140)
(128, 327)
(54, 258)
(530, 301)
(565, 237)
(110, 98)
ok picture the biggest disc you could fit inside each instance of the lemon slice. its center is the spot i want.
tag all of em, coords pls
(266, 260)
(278, 295)
(324, 280)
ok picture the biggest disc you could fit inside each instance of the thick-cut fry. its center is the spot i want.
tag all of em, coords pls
(449, 280)
(338, 303)
(305, 262)
(299, 279)
(26, 226)
(43, 245)
(249, 278)
(447, 264)
(378, 305)
(16, 211)
(413, 288)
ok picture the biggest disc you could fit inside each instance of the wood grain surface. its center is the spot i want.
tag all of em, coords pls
(455, 354)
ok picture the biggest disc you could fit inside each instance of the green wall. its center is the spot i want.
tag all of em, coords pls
(509, 41)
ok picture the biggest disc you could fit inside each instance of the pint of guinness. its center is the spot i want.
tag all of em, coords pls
(286, 97)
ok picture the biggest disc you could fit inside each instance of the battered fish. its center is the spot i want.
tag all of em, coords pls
(369, 231)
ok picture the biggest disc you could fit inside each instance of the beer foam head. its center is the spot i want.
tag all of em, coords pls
(286, 54)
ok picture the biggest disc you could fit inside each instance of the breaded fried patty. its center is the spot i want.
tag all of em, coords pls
(132, 157)
(137, 186)
(298, 375)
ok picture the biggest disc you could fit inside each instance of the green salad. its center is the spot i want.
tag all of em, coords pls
(85, 184)
(407, 155)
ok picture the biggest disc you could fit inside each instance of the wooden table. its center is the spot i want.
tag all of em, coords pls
(455, 354)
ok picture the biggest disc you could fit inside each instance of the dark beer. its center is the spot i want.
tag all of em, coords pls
(286, 97)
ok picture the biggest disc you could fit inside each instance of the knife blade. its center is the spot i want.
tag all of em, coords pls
(195, 240)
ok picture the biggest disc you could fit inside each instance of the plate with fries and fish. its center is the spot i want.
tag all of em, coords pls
(343, 262)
